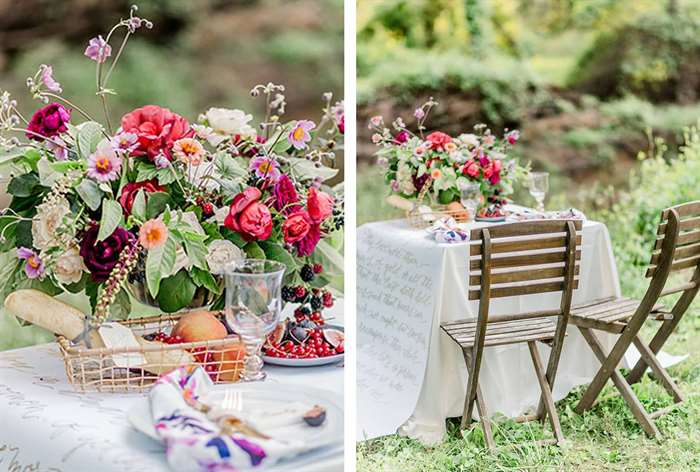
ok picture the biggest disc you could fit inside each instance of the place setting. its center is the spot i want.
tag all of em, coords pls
(190, 271)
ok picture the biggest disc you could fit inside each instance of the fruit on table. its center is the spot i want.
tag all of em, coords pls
(315, 416)
(199, 326)
(312, 344)
(458, 212)
(335, 337)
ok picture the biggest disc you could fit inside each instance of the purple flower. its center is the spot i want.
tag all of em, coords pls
(299, 135)
(161, 161)
(48, 121)
(104, 164)
(98, 50)
(58, 146)
(34, 268)
(50, 83)
(126, 142)
(419, 113)
(265, 168)
(401, 137)
(513, 136)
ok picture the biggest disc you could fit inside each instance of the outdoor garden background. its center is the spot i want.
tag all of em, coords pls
(200, 53)
(606, 94)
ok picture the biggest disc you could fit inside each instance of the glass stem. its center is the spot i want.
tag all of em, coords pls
(253, 364)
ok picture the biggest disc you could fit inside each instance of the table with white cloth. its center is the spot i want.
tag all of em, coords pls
(46, 425)
(411, 375)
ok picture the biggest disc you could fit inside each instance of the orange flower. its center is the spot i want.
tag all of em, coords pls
(153, 234)
(435, 173)
(188, 150)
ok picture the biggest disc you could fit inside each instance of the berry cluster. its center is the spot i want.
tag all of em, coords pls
(161, 337)
(313, 347)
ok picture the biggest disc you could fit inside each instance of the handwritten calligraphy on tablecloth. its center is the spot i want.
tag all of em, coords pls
(395, 293)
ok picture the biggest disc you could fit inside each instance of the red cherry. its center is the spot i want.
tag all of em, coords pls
(207, 209)
(317, 268)
(300, 292)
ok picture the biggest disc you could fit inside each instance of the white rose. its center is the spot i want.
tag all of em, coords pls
(229, 122)
(469, 139)
(69, 266)
(221, 253)
(220, 215)
(49, 216)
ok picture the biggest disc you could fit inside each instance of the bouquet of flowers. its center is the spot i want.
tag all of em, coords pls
(438, 165)
(157, 206)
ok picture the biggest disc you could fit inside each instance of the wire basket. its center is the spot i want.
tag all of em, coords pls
(423, 215)
(96, 369)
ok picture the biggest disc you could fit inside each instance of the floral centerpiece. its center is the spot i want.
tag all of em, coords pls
(437, 164)
(156, 206)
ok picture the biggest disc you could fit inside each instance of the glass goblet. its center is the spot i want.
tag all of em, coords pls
(253, 307)
(470, 196)
(538, 185)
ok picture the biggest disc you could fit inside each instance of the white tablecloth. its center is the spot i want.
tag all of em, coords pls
(411, 376)
(47, 426)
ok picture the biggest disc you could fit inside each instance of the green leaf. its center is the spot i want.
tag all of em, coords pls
(159, 261)
(23, 185)
(23, 234)
(166, 176)
(146, 172)
(197, 253)
(111, 217)
(204, 278)
(332, 261)
(89, 134)
(228, 167)
(90, 192)
(121, 308)
(156, 204)
(307, 169)
(31, 158)
(276, 252)
(176, 292)
(254, 251)
(233, 236)
(138, 209)
(47, 174)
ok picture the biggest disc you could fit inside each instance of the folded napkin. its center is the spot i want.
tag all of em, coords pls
(518, 213)
(195, 442)
(446, 230)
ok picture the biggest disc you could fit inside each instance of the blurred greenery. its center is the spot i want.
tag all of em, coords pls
(200, 53)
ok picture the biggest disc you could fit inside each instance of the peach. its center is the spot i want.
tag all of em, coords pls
(199, 326)
(457, 211)
(232, 362)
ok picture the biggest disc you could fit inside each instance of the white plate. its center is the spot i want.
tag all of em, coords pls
(491, 219)
(322, 440)
(303, 362)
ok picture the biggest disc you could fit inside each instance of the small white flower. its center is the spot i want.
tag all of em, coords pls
(69, 266)
(49, 217)
(229, 122)
(221, 253)
(471, 140)
(208, 134)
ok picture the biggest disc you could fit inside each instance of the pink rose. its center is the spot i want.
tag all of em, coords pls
(249, 217)
(472, 169)
(157, 130)
(438, 139)
(495, 178)
(497, 165)
(319, 204)
(296, 227)
(488, 171)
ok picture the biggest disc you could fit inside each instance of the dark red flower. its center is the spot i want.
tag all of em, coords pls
(48, 121)
(131, 189)
(285, 195)
(401, 137)
(157, 128)
(307, 245)
(100, 257)
(296, 227)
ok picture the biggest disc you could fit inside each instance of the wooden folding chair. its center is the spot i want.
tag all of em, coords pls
(677, 248)
(511, 260)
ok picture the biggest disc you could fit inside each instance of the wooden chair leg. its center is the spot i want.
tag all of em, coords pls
(472, 385)
(660, 373)
(655, 346)
(484, 415)
(546, 391)
(553, 364)
(625, 390)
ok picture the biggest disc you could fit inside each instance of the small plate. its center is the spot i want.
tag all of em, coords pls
(491, 219)
(303, 362)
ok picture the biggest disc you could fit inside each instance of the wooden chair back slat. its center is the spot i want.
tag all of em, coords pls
(684, 239)
(683, 251)
(523, 260)
(548, 242)
(500, 277)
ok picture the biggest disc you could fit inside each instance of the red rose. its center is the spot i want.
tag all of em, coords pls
(249, 217)
(495, 178)
(296, 227)
(157, 128)
(48, 121)
(319, 204)
(131, 189)
(401, 137)
(472, 169)
(438, 139)
(488, 171)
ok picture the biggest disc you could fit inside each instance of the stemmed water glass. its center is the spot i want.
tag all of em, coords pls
(538, 185)
(253, 306)
(470, 196)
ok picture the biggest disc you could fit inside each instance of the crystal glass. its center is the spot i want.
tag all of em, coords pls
(538, 185)
(470, 196)
(253, 306)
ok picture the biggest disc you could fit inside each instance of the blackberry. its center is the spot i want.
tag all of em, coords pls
(288, 293)
(305, 310)
(307, 273)
(316, 303)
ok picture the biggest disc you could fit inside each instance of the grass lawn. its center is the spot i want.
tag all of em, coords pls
(606, 438)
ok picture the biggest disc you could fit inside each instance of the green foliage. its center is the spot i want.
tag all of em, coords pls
(176, 292)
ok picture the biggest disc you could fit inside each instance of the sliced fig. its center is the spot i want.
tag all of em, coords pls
(277, 335)
(299, 334)
(334, 337)
(315, 416)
